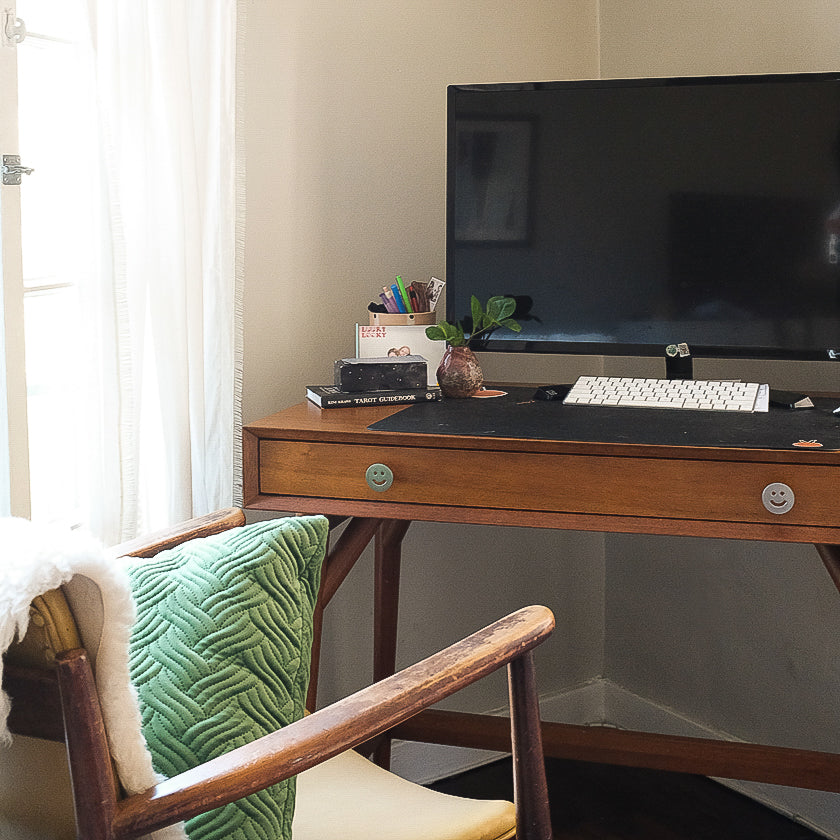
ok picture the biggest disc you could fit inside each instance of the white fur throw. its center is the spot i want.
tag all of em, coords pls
(36, 559)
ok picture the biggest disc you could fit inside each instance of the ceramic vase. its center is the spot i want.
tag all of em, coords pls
(459, 373)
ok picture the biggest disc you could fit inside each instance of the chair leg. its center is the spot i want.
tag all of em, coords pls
(533, 817)
(91, 772)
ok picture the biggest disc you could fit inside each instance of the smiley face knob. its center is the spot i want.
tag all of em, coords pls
(379, 477)
(778, 497)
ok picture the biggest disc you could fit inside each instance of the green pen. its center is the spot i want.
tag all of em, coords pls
(404, 293)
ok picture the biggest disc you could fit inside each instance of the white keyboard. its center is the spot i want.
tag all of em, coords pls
(699, 395)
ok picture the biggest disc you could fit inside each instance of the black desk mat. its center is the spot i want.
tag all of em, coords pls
(515, 415)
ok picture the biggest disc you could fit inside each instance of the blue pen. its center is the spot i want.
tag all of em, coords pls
(398, 298)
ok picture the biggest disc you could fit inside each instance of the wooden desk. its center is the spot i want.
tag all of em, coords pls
(309, 460)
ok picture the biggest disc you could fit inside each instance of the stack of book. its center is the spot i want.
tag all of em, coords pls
(386, 380)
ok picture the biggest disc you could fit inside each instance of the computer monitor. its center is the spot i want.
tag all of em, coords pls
(627, 215)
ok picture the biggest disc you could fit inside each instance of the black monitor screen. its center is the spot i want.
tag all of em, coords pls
(627, 215)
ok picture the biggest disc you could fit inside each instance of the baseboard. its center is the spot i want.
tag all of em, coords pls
(426, 763)
(601, 702)
(818, 810)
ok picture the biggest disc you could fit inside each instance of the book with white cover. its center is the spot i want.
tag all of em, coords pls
(374, 342)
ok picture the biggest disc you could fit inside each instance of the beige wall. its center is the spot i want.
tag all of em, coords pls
(714, 37)
(344, 110)
(344, 133)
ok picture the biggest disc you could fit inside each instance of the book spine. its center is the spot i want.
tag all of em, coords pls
(361, 399)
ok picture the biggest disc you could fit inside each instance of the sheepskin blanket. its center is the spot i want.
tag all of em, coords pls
(36, 559)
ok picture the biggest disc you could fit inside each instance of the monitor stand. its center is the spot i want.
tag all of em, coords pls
(678, 362)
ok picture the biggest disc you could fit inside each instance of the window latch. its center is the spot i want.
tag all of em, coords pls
(13, 170)
(14, 29)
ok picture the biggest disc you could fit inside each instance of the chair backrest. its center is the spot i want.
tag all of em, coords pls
(63, 619)
(35, 789)
(30, 663)
(72, 617)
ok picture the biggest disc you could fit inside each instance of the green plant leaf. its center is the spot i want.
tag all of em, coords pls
(484, 321)
(478, 316)
(494, 308)
(450, 333)
(456, 336)
(499, 308)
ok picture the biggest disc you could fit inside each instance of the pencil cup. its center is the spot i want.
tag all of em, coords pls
(401, 319)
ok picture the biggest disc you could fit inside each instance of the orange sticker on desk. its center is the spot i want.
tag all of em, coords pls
(808, 444)
(483, 393)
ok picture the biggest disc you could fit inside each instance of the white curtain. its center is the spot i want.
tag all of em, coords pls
(165, 338)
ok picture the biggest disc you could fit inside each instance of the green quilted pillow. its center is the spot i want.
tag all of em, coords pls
(220, 655)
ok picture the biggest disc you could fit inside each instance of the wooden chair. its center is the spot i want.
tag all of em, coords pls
(50, 680)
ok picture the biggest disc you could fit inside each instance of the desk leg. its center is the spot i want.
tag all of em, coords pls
(387, 558)
(830, 555)
(339, 561)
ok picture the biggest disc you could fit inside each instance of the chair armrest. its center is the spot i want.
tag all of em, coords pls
(336, 728)
(201, 526)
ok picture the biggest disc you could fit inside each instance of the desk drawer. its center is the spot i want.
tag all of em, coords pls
(587, 484)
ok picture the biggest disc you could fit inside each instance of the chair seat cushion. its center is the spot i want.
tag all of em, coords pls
(350, 798)
(220, 655)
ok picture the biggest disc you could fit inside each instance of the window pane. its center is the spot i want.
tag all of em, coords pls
(57, 138)
(53, 365)
(55, 18)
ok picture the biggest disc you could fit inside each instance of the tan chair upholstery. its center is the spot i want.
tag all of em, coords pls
(351, 798)
(345, 796)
